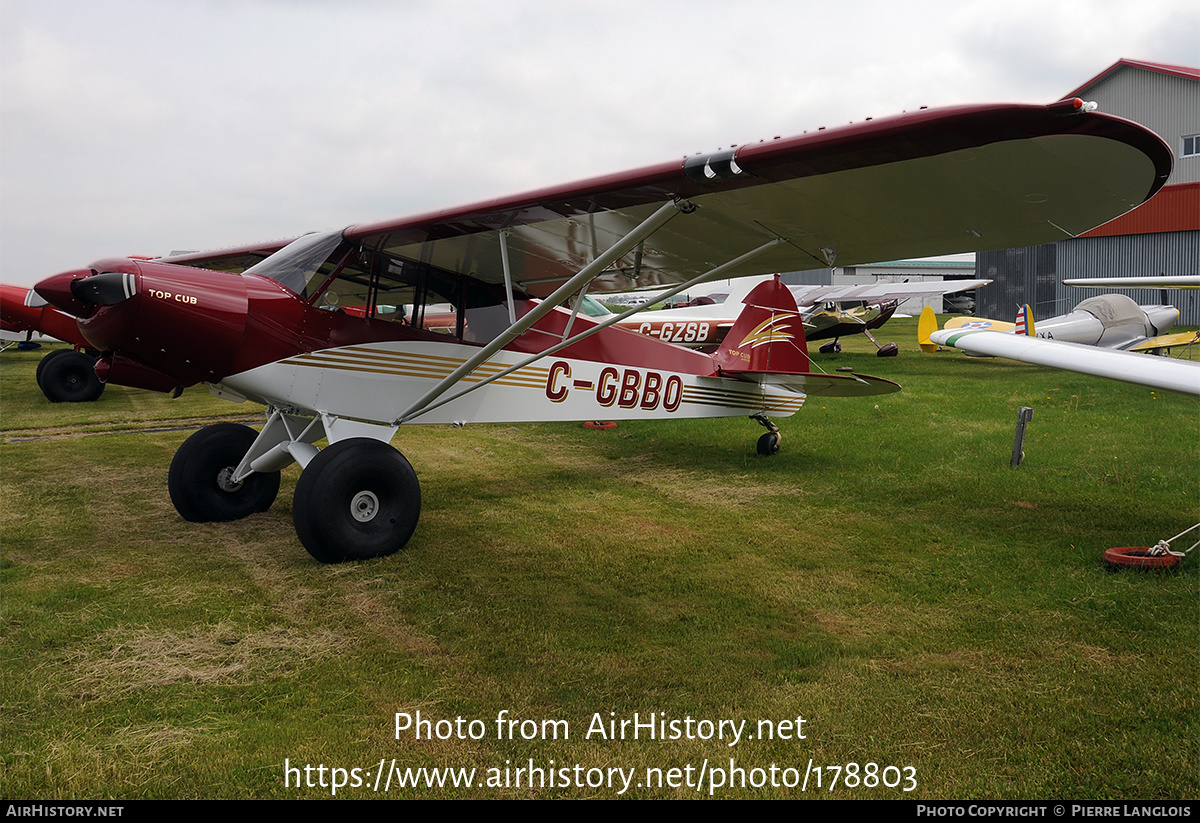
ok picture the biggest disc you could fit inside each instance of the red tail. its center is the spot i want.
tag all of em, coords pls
(768, 336)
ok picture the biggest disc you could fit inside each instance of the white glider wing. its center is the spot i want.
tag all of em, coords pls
(1130, 367)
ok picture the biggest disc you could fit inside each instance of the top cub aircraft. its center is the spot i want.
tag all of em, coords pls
(472, 314)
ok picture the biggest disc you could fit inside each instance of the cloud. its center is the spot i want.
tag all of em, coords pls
(139, 127)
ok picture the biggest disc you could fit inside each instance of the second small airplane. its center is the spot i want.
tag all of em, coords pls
(706, 320)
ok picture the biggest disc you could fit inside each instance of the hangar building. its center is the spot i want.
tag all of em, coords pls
(1159, 237)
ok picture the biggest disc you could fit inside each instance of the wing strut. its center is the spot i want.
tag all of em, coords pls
(614, 252)
(512, 307)
(712, 274)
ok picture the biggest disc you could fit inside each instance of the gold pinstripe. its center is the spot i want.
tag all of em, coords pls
(370, 360)
(434, 367)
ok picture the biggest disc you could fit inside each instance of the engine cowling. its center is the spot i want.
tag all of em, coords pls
(182, 324)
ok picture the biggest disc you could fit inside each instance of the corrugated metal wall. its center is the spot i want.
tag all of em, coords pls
(1167, 104)
(1033, 274)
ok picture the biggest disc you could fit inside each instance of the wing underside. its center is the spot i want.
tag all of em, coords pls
(925, 183)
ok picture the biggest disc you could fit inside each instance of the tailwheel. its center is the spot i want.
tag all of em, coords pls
(67, 376)
(357, 499)
(769, 443)
(200, 478)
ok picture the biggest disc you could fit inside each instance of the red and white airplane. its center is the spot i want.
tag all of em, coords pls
(332, 331)
(63, 375)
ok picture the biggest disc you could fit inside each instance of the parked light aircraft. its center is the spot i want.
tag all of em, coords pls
(63, 375)
(1110, 321)
(1116, 364)
(1130, 367)
(705, 320)
(329, 331)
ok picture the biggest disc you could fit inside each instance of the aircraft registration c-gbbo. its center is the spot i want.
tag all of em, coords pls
(472, 314)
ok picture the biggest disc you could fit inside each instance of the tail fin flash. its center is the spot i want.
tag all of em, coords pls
(768, 335)
(926, 326)
(1024, 321)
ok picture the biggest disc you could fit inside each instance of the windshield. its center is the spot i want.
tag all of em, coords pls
(298, 261)
(593, 308)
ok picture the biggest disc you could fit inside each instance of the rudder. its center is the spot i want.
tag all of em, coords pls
(768, 335)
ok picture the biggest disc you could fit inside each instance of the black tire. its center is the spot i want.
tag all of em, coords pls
(66, 376)
(768, 444)
(42, 363)
(357, 499)
(194, 479)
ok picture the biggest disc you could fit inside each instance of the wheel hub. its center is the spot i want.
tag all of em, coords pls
(364, 506)
(225, 480)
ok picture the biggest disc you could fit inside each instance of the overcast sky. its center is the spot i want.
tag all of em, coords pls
(143, 126)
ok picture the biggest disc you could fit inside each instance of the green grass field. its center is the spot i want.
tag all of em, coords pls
(887, 578)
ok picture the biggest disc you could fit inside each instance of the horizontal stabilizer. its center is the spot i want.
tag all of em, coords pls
(766, 345)
(825, 385)
(980, 323)
(1168, 341)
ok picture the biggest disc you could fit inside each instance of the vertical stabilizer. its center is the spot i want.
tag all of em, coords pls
(768, 335)
(1024, 321)
(926, 326)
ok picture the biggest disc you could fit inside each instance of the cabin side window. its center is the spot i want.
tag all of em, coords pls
(415, 295)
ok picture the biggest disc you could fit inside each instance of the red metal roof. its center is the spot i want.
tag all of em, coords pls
(1186, 72)
(1174, 208)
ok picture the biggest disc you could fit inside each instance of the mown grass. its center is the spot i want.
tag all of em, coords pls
(887, 577)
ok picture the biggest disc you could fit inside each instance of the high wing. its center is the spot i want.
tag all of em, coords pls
(924, 183)
(881, 292)
(1142, 369)
(1185, 281)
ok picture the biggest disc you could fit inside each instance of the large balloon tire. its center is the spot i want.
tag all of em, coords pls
(66, 376)
(52, 355)
(195, 477)
(1138, 557)
(357, 499)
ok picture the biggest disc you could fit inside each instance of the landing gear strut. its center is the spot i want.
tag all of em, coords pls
(886, 350)
(769, 443)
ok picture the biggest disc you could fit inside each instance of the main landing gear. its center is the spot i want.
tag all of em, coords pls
(358, 498)
(201, 476)
(68, 376)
